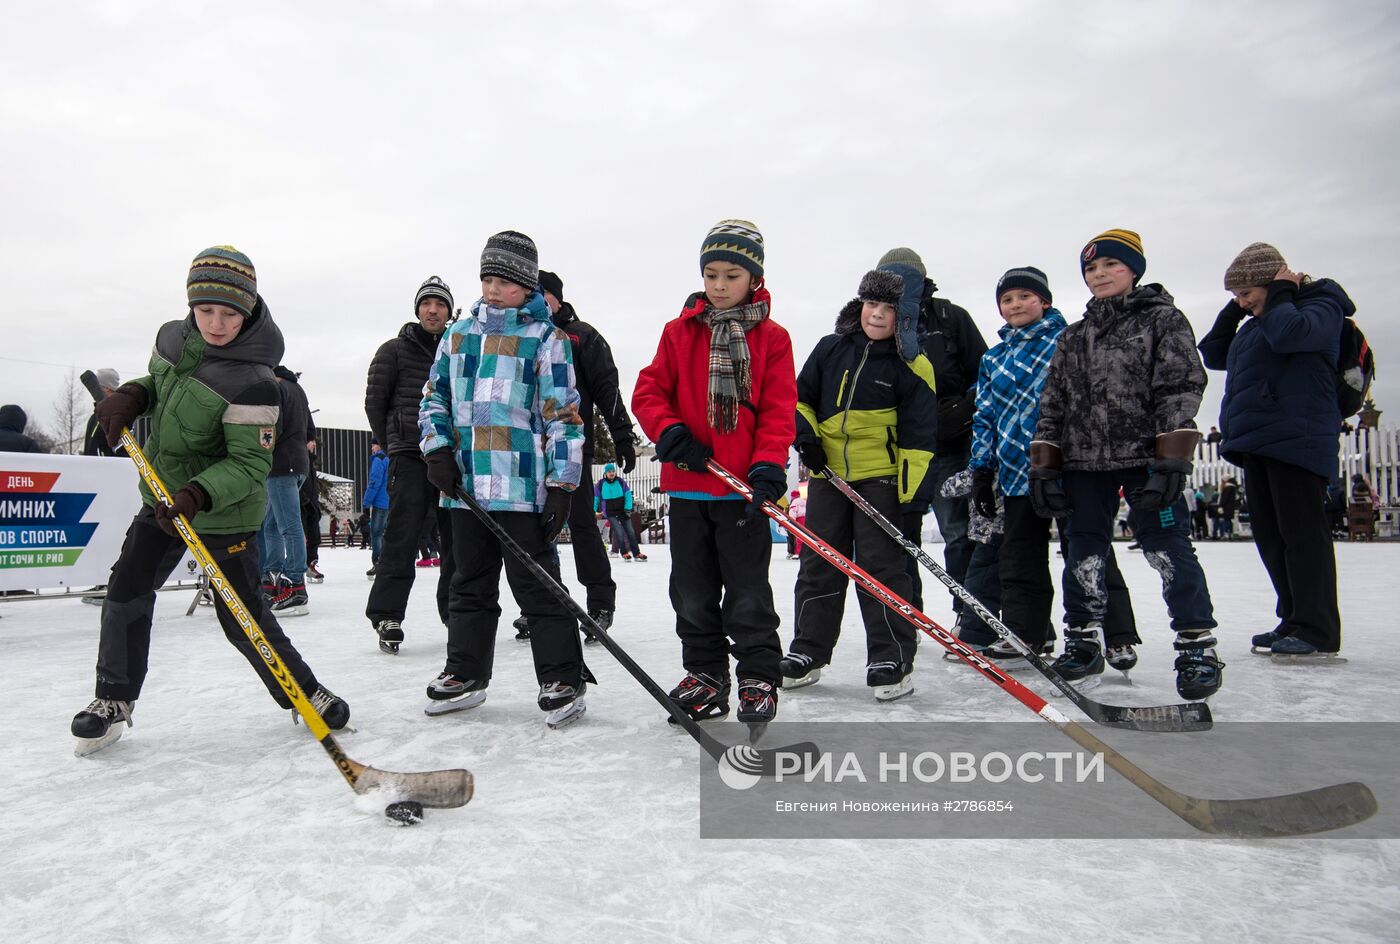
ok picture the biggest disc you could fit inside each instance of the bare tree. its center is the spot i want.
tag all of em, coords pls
(70, 413)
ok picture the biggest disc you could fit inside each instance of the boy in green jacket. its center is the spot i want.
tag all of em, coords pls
(213, 404)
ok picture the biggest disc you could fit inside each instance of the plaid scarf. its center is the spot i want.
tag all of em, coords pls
(731, 380)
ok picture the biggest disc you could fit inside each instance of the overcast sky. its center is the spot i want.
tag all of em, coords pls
(352, 149)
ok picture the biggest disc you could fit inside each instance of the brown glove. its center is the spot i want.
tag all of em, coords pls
(119, 409)
(188, 501)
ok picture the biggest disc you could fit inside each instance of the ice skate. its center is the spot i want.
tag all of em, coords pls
(292, 601)
(1199, 671)
(390, 635)
(332, 708)
(890, 680)
(758, 705)
(313, 573)
(639, 556)
(1005, 656)
(563, 702)
(96, 596)
(1295, 651)
(1081, 664)
(799, 670)
(448, 693)
(522, 629)
(1263, 644)
(1122, 658)
(99, 724)
(702, 696)
(603, 618)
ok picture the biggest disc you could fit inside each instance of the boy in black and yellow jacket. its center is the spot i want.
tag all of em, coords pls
(871, 417)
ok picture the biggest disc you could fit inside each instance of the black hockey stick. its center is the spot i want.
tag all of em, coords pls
(764, 764)
(1191, 716)
(437, 788)
(1293, 814)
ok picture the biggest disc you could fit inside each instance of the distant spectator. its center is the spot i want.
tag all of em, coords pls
(12, 422)
(376, 503)
(1214, 436)
(94, 440)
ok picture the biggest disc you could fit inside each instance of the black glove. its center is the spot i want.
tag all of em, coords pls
(443, 473)
(678, 446)
(812, 454)
(983, 497)
(769, 483)
(1048, 495)
(1166, 478)
(555, 514)
(119, 410)
(626, 451)
(187, 501)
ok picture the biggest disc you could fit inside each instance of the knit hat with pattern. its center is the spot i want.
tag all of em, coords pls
(903, 255)
(511, 255)
(222, 275)
(736, 241)
(1256, 265)
(433, 287)
(1027, 277)
(1121, 244)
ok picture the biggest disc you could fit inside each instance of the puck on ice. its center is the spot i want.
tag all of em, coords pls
(405, 812)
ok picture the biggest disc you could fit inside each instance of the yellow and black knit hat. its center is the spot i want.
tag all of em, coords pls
(1121, 244)
(736, 241)
(222, 275)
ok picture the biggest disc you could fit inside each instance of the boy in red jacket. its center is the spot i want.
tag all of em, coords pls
(723, 385)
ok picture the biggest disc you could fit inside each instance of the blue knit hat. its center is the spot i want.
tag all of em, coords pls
(736, 241)
(609, 468)
(1121, 244)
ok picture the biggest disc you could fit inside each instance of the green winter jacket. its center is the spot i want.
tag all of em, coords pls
(214, 418)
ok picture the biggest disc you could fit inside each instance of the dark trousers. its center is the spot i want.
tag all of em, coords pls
(147, 558)
(983, 582)
(720, 590)
(474, 607)
(821, 588)
(411, 498)
(311, 527)
(1024, 566)
(590, 555)
(1288, 514)
(953, 519)
(1165, 537)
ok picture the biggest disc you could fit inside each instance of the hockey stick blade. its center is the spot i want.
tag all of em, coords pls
(437, 788)
(767, 757)
(1188, 716)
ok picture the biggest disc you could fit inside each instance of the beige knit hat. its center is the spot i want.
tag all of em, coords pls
(1255, 266)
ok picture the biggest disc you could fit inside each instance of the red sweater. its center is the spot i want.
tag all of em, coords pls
(675, 386)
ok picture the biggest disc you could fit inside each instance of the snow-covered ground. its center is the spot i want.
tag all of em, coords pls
(215, 819)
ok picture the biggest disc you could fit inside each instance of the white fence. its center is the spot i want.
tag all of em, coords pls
(1375, 453)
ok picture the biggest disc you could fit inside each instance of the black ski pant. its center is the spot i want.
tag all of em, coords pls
(411, 499)
(1024, 565)
(1119, 622)
(1288, 514)
(984, 583)
(821, 588)
(720, 590)
(474, 607)
(147, 558)
(311, 528)
(590, 555)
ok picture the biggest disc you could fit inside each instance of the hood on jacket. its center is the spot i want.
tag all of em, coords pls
(259, 342)
(565, 316)
(535, 308)
(1329, 287)
(1052, 320)
(12, 416)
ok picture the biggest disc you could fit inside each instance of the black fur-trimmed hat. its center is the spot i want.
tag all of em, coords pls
(880, 285)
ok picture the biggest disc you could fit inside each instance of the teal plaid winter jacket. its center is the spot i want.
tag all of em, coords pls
(501, 395)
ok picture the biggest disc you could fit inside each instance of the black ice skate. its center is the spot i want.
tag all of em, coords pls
(1005, 656)
(1263, 644)
(1291, 649)
(99, 724)
(563, 701)
(890, 680)
(702, 696)
(1081, 664)
(390, 635)
(1122, 658)
(292, 601)
(758, 705)
(799, 670)
(331, 707)
(604, 619)
(1199, 672)
(448, 693)
(522, 629)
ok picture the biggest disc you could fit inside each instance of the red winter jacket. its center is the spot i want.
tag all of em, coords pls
(675, 386)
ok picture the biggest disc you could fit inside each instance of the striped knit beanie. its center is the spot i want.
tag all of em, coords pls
(736, 241)
(511, 255)
(222, 275)
(1255, 266)
(433, 287)
(1121, 244)
(1029, 278)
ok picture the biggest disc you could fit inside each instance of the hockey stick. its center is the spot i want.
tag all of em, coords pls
(1292, 814)
(1191, 716)
(436, 788)
(766, 760)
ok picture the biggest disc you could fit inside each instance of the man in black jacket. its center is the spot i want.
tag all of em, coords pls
(946, 334)
(13, 419)
(392, 395)
(94, 440)
(595, 374)
(282, 542)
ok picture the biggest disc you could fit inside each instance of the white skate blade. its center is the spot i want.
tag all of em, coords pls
(1087, 684)
(788, 684)
(890, 692)
(391, 648)
(82, 747)
(1315, 658)
(560, 717)
(460, 703)
(299, 610)
(1261, 650)
(315, 579)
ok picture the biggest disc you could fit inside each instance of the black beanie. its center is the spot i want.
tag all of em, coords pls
(433, 287)
(551, 283)
(1029, 278)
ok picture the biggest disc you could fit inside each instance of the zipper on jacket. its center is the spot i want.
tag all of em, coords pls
(846, 413)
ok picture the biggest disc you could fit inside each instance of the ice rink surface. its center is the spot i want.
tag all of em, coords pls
(215, 819)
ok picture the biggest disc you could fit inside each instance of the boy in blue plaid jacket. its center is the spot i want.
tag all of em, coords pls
(500, 420)
(1009, 381)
